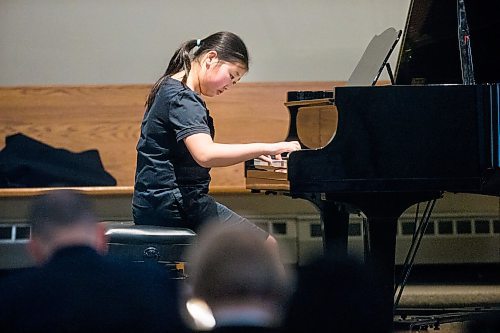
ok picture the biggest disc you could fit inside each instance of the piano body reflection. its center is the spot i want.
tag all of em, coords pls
(398, 145)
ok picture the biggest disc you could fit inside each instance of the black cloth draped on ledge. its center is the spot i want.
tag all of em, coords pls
(26, 162)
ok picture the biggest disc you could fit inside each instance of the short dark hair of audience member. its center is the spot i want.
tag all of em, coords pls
(75, 288)
(332, 295)
(63, 218)
(242, 280)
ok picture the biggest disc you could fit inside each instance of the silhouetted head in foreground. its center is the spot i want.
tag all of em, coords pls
(62, 218)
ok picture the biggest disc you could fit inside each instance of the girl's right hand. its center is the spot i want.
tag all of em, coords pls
(278, 148)
(286, 147)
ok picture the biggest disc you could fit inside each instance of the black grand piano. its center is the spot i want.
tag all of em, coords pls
(434, 130)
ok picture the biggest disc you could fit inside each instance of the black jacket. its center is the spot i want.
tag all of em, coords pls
(79, 290)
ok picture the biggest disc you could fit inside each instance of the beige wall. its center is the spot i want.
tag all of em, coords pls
(130, 41)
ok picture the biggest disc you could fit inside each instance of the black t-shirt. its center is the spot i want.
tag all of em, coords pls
(167, 177)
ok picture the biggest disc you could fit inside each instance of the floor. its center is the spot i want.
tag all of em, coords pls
(447, 308)
(444, 328)
(445, 299)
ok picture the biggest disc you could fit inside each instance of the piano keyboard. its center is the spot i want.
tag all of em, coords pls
(268, 176)
(275, 165)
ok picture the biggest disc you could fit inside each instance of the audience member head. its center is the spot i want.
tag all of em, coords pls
(242, 281)
(63, 218)
(332, 295)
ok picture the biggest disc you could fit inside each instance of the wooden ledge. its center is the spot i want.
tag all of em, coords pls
(106, 190)
(90, 190)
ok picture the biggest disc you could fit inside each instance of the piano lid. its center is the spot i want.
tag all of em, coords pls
(430, 52)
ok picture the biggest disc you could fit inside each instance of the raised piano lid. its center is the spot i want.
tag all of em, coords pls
(429, 52)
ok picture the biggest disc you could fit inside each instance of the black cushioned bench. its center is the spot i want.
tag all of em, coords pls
(146, 243)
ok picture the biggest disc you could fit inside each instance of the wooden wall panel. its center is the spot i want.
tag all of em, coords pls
(108, 118)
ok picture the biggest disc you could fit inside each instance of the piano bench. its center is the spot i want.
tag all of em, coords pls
(147, 243)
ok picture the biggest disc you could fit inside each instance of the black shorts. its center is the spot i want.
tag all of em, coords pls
(174, 211)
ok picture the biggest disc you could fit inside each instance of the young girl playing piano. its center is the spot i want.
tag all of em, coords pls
(176, 149)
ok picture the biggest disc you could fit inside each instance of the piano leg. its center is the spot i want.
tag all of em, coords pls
(334, 224)
(382, 211)
(380, 260)
(335, 235)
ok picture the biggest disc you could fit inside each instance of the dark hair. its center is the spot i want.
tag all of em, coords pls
(59, 208)
(229, 48)
(232, 263)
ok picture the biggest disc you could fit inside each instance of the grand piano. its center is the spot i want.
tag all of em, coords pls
(434, 130)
